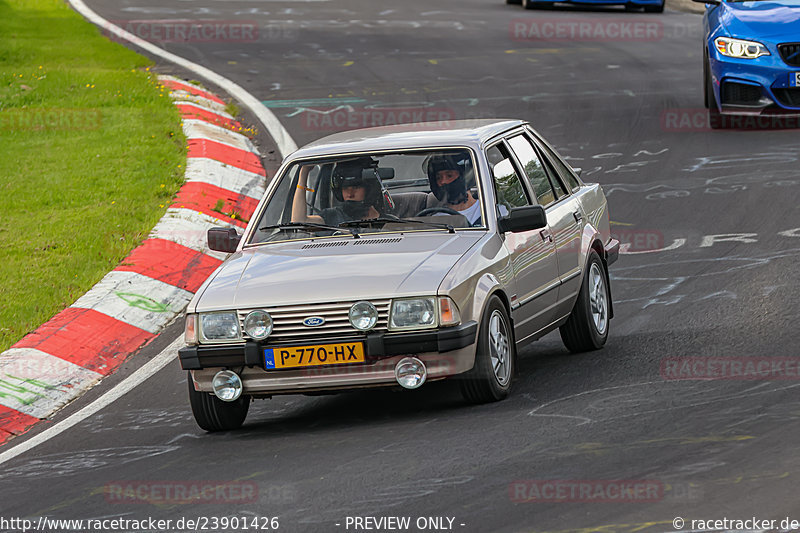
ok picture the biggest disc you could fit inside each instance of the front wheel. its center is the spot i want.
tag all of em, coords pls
(495, 358)
(530, 4)
(586, 328)
(212, 414)
(655, 9)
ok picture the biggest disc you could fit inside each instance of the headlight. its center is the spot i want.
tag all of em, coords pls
(414, 313)
(258, 324)
(219, 326)
(190, 329)
(363, 315)
(739, 48)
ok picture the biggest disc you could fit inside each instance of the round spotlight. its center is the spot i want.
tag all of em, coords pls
(410, 373)
(363, 316)
(258, 324)
(227, 385)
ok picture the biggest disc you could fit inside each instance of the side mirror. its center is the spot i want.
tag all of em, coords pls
(578, 170)
(527, 218)
(223, 239)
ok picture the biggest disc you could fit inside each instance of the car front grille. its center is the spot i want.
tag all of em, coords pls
(788, 97)
(790, 53)
(288, 321)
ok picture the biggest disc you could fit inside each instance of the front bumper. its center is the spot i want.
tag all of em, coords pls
(754, 86)
(445, 352)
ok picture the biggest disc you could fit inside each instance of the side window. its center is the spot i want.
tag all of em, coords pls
(508, 186)
(567, 174)
(537, 175)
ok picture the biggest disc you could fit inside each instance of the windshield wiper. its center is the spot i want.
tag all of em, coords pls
(305, 225)
(379, 220)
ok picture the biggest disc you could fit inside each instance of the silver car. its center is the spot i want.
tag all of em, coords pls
(396, 256)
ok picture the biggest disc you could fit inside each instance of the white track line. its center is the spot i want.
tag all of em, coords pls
(283, 140)
(122, 388)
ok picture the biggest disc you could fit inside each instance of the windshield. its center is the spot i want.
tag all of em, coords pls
(433, 190)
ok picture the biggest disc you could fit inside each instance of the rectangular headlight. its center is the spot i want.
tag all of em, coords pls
(219, 327)
(413, 313)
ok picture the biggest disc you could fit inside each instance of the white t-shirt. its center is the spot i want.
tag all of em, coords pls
(473, 213)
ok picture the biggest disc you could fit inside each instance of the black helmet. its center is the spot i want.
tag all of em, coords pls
(438, 162)
(351, 173)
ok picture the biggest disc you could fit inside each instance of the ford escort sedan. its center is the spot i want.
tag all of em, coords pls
(396, 256)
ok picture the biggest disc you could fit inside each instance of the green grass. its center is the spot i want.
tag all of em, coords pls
(91, 152)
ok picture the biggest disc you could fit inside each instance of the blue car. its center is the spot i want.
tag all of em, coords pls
(751, 57)
(650, 6)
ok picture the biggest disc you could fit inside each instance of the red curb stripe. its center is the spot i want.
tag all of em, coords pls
(192, 112)
(191, 89)
(13, 422)
(171, 263)
(87, 338)
(204, 197)
(229, 155)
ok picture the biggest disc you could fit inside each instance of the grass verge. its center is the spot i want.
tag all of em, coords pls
(91, 152)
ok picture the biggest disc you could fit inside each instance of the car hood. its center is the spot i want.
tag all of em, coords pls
(776, 21)
(329, 270)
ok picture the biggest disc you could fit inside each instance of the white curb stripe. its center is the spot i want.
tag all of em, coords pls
(188, 228)
(283, 140)
(38, 384)
(200, 129)
(236, 180)
(135, 299)
(185, 97)
(222, 114)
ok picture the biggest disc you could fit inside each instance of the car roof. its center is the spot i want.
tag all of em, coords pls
(407, 136)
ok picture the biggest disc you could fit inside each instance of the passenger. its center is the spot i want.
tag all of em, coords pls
(360, 199)
(448, 185)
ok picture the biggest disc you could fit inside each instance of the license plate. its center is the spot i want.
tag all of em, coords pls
(794, 79)
(316, 355)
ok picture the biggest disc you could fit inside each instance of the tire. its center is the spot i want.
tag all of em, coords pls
(586, 328)
(715, 118)
(631, 7)
(530, 4)
(495, 357)
(517, 2)
(654, 9)
(212, 414)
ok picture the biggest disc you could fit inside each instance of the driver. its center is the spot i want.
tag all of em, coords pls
(360, 198)
(447, 182)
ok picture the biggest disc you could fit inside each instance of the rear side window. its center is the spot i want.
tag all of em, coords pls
(509, 190)
(564, 170)
(537, 175)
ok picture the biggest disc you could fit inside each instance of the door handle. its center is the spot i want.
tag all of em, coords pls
(546, 235)
(578, 216)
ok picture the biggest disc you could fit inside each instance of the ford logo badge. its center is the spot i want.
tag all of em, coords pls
(313, 321)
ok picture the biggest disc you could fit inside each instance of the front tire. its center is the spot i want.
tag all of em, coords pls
(715, 118)
(517, 2)
(655, 9)
(586, 328)
(495, 358)
(530, 4)
(212, 414)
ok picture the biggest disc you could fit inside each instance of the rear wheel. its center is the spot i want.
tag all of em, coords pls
(495, 358)
(212, 414)
(586, 328)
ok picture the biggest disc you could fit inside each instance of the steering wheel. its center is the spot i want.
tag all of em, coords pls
(432, 210)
